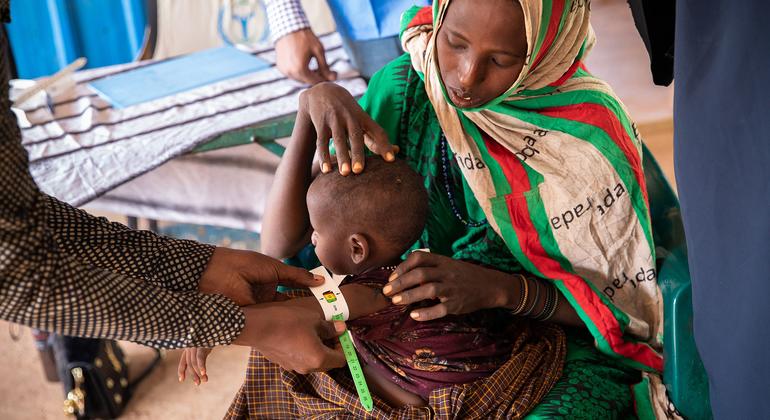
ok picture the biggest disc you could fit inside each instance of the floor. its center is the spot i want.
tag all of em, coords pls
(619, 57)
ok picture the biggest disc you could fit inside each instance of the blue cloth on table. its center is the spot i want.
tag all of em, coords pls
(176, 75)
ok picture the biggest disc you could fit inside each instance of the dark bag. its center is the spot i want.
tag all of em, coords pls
(95, 376)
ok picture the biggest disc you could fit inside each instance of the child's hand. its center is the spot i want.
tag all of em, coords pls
(194, 359)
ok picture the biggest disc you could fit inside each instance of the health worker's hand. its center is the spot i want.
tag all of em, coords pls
(293, 53)
(292, 337)
(249, 277)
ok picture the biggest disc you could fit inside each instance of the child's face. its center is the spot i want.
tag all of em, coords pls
(329, 240)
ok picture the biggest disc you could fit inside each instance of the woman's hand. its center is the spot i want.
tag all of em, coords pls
(460, 287)
(334, 113)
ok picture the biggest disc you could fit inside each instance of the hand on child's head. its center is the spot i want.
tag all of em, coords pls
(194, 359)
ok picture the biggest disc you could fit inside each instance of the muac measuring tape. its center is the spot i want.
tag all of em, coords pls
(336, 309)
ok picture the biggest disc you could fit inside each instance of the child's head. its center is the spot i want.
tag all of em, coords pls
(367, 220)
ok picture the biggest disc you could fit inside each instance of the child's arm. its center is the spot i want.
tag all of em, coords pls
(362, 300)
(286, 225)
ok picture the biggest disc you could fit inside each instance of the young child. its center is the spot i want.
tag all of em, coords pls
(361, 226)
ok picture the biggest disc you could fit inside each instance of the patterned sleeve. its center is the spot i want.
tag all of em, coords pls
(173, 264)
(58, 273)
(285, 17)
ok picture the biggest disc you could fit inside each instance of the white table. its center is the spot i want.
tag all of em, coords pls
(85, 149)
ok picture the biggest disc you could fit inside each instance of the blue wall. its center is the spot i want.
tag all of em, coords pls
(46, 35)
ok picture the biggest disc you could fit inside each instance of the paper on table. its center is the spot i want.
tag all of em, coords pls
(176, 75)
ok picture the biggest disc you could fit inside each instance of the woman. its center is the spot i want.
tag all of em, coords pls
(533, 166)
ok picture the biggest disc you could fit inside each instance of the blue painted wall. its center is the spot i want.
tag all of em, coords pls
(46, 35)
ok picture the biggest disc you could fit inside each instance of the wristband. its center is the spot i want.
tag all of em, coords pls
(329, 295)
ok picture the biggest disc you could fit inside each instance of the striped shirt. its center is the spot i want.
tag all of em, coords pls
(285, 17)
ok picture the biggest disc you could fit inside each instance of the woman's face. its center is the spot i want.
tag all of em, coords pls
(481, 48)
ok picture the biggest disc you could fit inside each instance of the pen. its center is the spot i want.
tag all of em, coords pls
(44, 83)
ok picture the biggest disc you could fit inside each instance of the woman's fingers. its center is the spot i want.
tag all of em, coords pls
(322, 148)
(340, 136)
(427, 314)
(427, 290)
(376, 139)
(197, 361)
(399, 281)
(356, 134)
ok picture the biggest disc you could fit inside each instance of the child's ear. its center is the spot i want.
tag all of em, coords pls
(359, 248)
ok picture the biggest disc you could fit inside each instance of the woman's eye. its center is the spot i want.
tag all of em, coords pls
(455, 46)
(500, 62)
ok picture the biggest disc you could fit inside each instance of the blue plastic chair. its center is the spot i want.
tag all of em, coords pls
(683, 372)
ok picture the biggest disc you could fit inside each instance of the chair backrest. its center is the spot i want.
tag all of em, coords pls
(683, 374)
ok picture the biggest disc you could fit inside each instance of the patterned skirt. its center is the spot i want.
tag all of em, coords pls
(591, 386)
(270, 392)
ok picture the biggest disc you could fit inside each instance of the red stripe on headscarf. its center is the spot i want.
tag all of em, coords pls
(553, 27)
(423, 17)
(601, 117)
(529, 240)
(570, 71)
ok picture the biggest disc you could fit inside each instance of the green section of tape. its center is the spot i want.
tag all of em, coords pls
(355, 367)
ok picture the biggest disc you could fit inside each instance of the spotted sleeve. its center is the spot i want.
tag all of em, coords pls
(62, 270)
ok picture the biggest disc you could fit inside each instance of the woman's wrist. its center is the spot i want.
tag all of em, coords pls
(507, 292)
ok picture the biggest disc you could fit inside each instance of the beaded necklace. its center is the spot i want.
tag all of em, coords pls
(448, 187)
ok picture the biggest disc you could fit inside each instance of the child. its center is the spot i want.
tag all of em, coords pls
(361, 226)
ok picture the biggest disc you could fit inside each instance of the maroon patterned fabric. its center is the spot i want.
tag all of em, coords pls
(423, 356)
(479, 366)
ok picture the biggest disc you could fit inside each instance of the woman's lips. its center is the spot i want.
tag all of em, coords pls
(461, 100)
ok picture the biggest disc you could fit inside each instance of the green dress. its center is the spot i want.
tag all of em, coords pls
(593, 385)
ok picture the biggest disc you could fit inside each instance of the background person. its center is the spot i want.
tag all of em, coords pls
(369, 31)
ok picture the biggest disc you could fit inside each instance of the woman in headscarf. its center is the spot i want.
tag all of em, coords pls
(533, 167)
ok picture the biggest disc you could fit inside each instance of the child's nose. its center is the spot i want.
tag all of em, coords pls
(314, 238)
